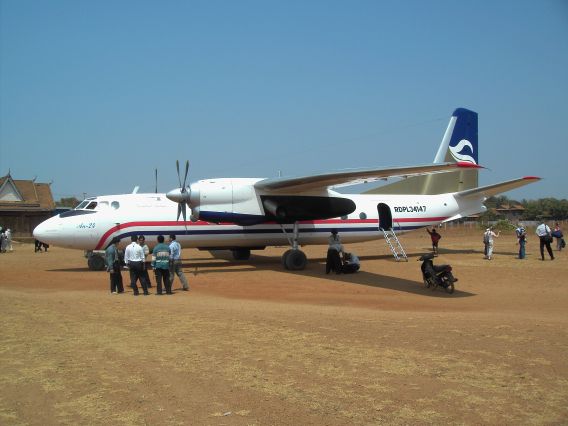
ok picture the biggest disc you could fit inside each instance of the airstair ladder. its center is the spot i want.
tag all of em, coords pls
(394, 244)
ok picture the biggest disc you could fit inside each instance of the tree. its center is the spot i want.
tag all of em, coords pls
(68, 202)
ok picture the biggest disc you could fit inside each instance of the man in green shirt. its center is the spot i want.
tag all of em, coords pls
(161, 265)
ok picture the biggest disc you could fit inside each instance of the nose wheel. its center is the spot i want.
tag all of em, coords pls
(293, 259)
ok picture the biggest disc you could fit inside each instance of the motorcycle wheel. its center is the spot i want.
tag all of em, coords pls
(449, 283)
(427, 283)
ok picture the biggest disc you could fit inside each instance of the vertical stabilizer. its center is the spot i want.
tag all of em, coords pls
(460, 143)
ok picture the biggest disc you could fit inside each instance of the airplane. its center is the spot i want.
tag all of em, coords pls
(244, 214)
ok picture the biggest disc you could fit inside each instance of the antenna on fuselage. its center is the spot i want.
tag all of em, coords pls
(135, 190)
(156, 178)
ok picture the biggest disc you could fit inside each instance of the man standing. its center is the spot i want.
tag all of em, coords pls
(435, 237)
(334, 249)
(134, 258)
(142, 243)
(488, 240)
(113, 267)
(545, 237)
(161, 265)
(175, 264)
(522, 239)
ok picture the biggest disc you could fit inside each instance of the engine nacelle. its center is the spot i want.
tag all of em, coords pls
(226, 200)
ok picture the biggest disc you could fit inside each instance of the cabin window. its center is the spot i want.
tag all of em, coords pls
(362, 215)
(103, 205)
(344, 217)
(115, 205)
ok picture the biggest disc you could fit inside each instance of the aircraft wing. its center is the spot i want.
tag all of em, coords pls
(352, 177)
(497, 188)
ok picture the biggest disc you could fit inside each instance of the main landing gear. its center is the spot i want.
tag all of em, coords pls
(293, 259)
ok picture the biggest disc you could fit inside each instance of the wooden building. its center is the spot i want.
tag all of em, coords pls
(24, 204)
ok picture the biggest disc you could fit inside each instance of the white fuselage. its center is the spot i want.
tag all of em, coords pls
(98, 220)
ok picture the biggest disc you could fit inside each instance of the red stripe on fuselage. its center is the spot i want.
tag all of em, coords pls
(127, 225)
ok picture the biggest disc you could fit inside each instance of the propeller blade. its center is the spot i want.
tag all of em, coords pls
(179, 177)
(185, 177)
(179, 210)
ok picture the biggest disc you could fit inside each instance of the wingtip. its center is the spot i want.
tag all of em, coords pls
(531, 178)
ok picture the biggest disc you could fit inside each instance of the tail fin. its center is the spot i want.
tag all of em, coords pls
(458, 144)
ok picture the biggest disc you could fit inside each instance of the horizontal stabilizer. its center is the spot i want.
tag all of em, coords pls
(497, 188)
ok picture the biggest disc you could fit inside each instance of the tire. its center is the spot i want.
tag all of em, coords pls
(427, 283)
(285, 258)
(295, 260)
(241, 254)
(449, 281)
(96, 263)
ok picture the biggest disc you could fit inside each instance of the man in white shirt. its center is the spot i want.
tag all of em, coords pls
(545, 237)
(488, 241)
(134, 259)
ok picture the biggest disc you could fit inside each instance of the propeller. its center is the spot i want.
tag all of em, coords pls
(182, 194)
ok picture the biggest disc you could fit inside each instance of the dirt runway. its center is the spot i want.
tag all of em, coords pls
(252, 344)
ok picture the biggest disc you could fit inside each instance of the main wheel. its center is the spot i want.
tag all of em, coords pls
(294, 260)
(450, 288)
(96, 263)
(241, 254)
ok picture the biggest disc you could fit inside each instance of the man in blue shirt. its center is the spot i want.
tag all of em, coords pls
(175, 264)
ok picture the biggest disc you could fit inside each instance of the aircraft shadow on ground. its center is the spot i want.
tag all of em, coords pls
(85, 269)
(316, 269)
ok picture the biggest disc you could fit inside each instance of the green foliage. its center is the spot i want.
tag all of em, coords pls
(543, 208)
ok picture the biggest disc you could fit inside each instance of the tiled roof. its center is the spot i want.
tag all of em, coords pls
(34, 196)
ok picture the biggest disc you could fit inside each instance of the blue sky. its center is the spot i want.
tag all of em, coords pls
(95, 95)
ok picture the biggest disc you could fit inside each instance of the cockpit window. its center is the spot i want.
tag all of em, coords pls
(115, 205)
(92, 205)
(82, 205)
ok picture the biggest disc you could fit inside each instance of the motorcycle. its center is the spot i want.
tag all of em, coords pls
(436, 275)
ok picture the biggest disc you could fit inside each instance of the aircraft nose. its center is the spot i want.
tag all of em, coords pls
(46, 232)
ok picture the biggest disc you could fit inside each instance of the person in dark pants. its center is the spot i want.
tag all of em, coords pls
(142, 243)
(134, 258)
(545, 237)
(161, 265)
(113, 267)
(435, 237)
(335, 248)
(351, 263)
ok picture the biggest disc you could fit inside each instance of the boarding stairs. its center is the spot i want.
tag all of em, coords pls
(394, 244)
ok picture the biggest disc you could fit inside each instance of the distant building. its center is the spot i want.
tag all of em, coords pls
(511, 212)
(24, 204)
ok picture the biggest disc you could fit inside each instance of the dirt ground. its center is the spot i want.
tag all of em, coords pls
(252, 344)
